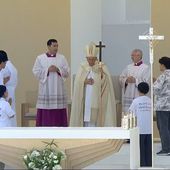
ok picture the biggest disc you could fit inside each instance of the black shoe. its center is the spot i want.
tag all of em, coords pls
(128, 141)
(162, 153)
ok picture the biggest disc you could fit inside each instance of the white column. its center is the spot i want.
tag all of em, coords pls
(86, 26)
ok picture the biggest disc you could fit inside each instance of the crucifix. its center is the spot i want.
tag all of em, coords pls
(151, 38)
(100, 46)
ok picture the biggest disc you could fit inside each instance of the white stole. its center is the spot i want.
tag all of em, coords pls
(88, 98)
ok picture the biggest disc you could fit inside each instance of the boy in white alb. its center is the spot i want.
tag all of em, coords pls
(6, 112)
(141, 107)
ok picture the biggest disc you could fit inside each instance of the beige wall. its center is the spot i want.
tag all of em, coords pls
(25, 26)
(161, 23)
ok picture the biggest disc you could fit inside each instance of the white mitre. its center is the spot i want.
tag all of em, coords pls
(91, 50)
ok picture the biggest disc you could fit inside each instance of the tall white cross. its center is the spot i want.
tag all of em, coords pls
(151, 38)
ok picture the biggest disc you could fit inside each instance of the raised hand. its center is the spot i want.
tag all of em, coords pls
(6, 79)
(10, 101)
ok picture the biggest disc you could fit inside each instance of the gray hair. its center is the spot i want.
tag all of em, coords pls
(138, 50)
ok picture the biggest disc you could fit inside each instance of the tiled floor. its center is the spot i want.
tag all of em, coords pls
(116, 161)
(121, 160)
(160, 161)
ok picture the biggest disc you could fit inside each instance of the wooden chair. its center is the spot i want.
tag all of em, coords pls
(28, 109)
(26, 114)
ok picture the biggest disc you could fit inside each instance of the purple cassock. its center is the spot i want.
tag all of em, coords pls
(52, 117)
(52, 98)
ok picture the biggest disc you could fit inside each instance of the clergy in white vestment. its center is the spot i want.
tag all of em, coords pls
(93, 102)
(3, 61)
(131, 76)
(10, 81)
(51, 69)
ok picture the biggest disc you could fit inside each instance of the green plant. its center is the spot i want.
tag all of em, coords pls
(48, 158)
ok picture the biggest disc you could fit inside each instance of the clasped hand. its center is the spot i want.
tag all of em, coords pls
(89, 81)
(53, 68)
(131, 79)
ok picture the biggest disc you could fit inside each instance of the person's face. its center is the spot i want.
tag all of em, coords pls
(136, 56)
(162, 68)
(6, 94)
(53, 48)
(91, 60)
(2, 65)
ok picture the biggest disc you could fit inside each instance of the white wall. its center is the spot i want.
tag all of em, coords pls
(113, 12)
(117, 22)
(86, 21)
(122, 22)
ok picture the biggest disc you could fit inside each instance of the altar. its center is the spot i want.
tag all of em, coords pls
(80, 133)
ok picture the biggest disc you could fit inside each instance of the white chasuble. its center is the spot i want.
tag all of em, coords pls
(88, 97)
(93, 105)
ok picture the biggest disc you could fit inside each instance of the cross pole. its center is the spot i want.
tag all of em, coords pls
(100, 46)
(151, 38)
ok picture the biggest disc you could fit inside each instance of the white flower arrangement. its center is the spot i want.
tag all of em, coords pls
(48, 158)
